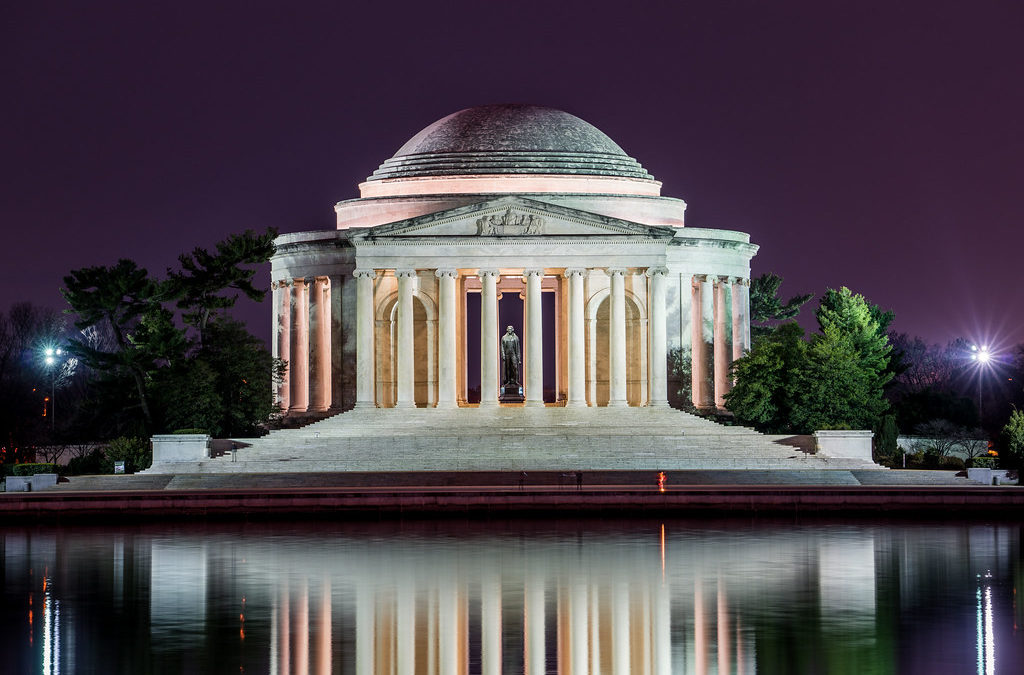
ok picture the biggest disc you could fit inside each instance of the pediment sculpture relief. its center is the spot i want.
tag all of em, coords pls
(510, 224)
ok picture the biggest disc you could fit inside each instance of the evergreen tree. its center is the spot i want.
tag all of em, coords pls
(767, 380)
(767, 309)
(206, 279)
(118, 298)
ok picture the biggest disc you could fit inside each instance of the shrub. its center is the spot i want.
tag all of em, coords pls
(90, 463)
(952, 463)
(30, 469)
(983, 463)
(188, 431)
(136, 453)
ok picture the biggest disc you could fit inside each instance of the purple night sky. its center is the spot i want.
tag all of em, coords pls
(873, 145)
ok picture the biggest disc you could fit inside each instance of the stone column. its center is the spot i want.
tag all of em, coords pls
(723, 339)
(617, 340)
(657, 353)
(743, 290)
(534, 351)
(283, 332)
(446, 338)
(299, 379)
(364, 338)
(488, 338)
(576, 343)
(320, 345)
(704, 343)
(739, 318)
(405, 356)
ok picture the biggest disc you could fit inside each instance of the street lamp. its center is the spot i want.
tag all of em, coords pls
(51, 356)
(983, 357)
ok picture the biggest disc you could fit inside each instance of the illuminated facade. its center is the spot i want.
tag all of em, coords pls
(404, 303)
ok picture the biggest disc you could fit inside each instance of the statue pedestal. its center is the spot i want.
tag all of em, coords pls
(511, 393)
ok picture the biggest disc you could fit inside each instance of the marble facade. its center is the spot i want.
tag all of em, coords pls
(504, 200)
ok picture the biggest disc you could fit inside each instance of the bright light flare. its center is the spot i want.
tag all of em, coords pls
(981, 354)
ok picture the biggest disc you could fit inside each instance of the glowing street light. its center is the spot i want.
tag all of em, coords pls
(981, 354)
(51, 356)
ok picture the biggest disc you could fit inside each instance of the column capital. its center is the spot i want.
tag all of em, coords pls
(364, 273)
(725, 279)
(405, 273)
(323, 280)
(488, 273)
(575, 271)
(533, 273)
(704, 278)
(445, 272)
(281, 283)
(299, 282)
(740, 281)
(615, 271)
(657, 271)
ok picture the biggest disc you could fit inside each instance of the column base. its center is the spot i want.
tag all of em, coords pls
(618, 404)
(446, 405)
(582, 403)
(534, 404)
(657, 404)
(364, 405)
(405, 405)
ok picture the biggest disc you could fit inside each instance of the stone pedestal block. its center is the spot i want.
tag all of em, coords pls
(844, 443)
(180, 447)
(41, 481)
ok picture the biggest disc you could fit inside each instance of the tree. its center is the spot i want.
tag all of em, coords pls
(205, 279)
(847, 366)
(118, 297)
(1011, 441)
(835, 390)
(766, 380)
(766, 308)
(886, 440)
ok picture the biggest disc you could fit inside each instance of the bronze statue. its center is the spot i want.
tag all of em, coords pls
(510, 356)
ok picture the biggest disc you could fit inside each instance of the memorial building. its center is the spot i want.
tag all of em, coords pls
(507, 217)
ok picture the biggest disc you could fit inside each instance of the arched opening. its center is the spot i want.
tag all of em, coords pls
(636, 355)
(424, 350)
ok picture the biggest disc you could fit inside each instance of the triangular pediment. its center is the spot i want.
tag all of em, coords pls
(515, 217)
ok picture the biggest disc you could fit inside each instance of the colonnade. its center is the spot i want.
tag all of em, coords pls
(533, 353)
(302, 337)
(715, 331)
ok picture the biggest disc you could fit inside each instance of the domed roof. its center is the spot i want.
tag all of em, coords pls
(510, 139)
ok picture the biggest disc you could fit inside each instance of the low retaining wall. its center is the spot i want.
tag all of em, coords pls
(346, 503)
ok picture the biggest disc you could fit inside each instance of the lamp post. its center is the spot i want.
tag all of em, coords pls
(982, 356)
(51, 357)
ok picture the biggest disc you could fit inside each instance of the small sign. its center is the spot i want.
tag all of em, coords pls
(118, 467)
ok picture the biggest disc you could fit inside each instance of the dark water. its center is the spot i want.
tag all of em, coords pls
(569, 597)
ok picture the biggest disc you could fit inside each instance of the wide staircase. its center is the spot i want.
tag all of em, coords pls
(513, 439)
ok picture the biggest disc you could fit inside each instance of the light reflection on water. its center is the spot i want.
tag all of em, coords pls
(568, 597)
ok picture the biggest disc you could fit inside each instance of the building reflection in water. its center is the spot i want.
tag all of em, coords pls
(645, 600)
